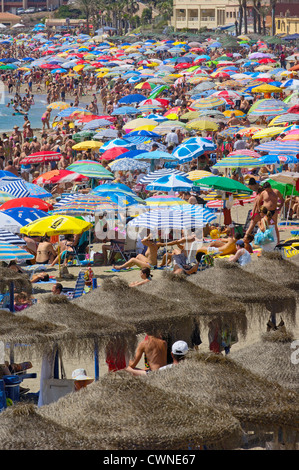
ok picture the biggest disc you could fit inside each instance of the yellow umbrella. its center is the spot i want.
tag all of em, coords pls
(236, 112)
(60, 105)
(268, 132)
(198, 174)
(190, 115)
(88, 145)
(140, 122)
(266, 89)
(273, 122)
(78, 67)
(202, 125)
(55, 225)
(146, 128)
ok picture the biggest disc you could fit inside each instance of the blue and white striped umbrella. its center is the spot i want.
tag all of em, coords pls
(10, 252)
(164, 219)
(171, 183)
(154, 175)
(95, 124)
(116, 143)
(12, 239)
(279, 147)
(202, 213)
(16, 188)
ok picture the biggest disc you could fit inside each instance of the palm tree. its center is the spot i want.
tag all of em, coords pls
(244, 7)
(273, 8)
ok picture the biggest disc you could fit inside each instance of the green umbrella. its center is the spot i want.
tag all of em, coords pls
(221, 183)
(284, 188)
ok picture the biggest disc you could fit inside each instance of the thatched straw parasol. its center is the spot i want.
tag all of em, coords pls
(83, 326)
(21, 281)
(22, 428)
(259, 405)
(273, 357)
(20, 329)
(124, 412)
(202, 304)
(258, 294)
(147, 313)
(271, 265)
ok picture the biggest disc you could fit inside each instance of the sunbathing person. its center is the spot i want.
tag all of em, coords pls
(145, 275)
(155, 350)
(222, 247)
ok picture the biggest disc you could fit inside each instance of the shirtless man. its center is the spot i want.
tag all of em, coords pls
(273, 201)
(222, 247)
(45, 252)
(155, 350)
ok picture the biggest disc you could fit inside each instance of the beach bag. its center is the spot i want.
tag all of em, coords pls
(53, 388)
(262, 238)
(98, 259)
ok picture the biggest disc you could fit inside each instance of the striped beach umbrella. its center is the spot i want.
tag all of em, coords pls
(187, 152)
(284, 119)
(244, 153)
(16, 188)
(91, 169)
(59, 176)
(154, 175)
(237, 162)
(11, 238)
(84, 204)
(268, 107)
(209, 102)
(204, 214)
(5, 197)
(166, 219)
(164, 201)
(41, 157)
(128, 164)
(279, 147)
(36, 191)
(9, 252)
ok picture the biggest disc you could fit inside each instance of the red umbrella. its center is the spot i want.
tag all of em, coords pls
(32, 202)
(111, 154)
(266, 60)
(59, 176)
(294, 109)
(41, 157)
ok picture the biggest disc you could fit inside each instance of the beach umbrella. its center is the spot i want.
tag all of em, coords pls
(55, 225)
(187, 152)
(152, 176)
(268, 132)
(9, 252)
(104, 134)
(209, 102)
(155, 155)
(125, 110)
(284, 119)
(5, 197)
(12, 239)
(116, 143)
(166, 126)
(205, 144)
(59, 177)
(58, 105)
(270, 358)
(119, 197)
(171, 183)
(223, 184)
(268, 107)
(129, 99)
(220, 380)
(132, 424)
(139, 122)
(279, 147)
(197, 210)
(113, 152)
(15, 188)
(84, 205)
(95, 124)
(37, 191)
(164, 201)
(20, 216)
(91, 169)
(238, 162)
(87, 145)
(230, 279)
(30, 202)
(128, 164)
(202, 125)
(195, 175)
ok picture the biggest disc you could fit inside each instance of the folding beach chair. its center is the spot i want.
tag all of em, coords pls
(77, 291)
(127, 249)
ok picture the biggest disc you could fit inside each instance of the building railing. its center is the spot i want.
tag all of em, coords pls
(208, 18)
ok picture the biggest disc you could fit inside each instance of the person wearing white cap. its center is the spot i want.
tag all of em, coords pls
(81, 379)
(179, 351)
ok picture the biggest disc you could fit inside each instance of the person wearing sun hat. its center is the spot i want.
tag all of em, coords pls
(81, 379)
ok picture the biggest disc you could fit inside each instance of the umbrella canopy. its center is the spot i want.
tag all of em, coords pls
(154, 175)
(83, 204)
(123, 413)
(41, 157)
(91, 169)
(87, 145)
(166, 220)
(31, 202)
(231, 280)
(268, 107)
(9, 252)
(276, 147)
(128, 164)
(270, 358)
(8, 237)
(164, 201)
(55, 225)
(19, 217)
(258, 404)
(36, 191)
(170, 183)
(223, 184)
(59, 176)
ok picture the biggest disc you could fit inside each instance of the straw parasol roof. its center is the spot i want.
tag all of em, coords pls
(19, 329)
(271, 358)
(147, 313)
(124, 412)
(210, 378)
(202, 304)
(83, 326)
(231, 280)
(21, 281)
(23, 428)
(271, 265)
